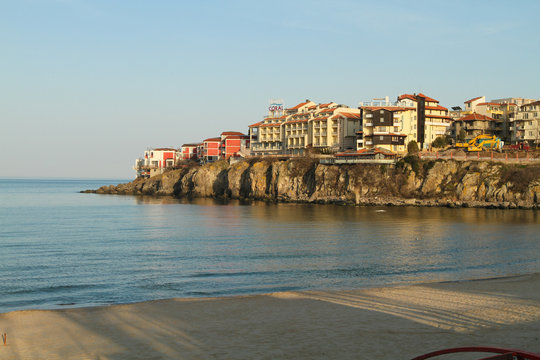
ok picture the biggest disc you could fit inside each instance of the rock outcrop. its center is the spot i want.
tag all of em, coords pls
(410, 182)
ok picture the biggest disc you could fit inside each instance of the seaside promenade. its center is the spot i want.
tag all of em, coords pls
(375, 323)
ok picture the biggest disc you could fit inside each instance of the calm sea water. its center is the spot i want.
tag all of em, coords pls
(60, 248)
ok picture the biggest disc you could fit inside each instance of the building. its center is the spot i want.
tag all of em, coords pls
(327, 127)
(392, 126)
(476, 124)
(386, 127)
(234, 144)
(155, 161)
(211, 149)
(526, 125)
(189, 152)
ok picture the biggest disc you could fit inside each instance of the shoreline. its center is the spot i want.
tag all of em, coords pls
(498, 311)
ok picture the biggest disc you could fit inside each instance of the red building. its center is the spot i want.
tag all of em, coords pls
(211, 149)
(232, 142)
(189, 152)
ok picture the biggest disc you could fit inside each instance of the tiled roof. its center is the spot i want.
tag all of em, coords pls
(389, 108)
(271, 125)
(190, 145)
(212, 139)
(413, 98)
(535, 103)
(164, 149)
(231, 133)
(475, 116)
(489, 103)
(299, 105)
(438, 107)
(256, 124)
(470, 101)
(349, 115)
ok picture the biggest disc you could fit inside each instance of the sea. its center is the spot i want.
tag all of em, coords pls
(60, 248)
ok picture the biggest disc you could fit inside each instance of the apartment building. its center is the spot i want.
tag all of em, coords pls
(329, 126)
(189, 152)
(392, 126)
(526, 125)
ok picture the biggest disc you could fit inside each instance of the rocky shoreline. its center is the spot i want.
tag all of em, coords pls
(410, 182)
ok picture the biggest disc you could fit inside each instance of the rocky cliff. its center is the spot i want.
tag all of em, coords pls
(410, 182)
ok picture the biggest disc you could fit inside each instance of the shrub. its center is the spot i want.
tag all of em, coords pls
(412, 147)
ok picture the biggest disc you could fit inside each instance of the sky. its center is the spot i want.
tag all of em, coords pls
(87, 85)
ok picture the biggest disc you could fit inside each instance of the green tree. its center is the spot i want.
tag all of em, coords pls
(439, 142)
(412, 147)
(462, 134)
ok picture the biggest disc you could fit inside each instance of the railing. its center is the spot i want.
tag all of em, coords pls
(331, 161)
(480, 156)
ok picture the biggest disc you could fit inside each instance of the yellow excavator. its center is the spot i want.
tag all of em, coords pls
(482, 142)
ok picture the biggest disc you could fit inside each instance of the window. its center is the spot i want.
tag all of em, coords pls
(382, 111)
(381, 137)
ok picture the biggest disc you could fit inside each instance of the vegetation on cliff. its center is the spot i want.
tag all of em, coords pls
(410, 182)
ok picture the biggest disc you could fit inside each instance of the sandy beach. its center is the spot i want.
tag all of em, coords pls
(376, 323)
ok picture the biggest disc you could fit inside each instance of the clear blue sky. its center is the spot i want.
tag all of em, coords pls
(87, 85)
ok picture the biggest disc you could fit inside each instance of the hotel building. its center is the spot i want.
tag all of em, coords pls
(392, 126)
(327, 127)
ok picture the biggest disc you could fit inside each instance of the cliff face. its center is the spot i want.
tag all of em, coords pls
(409, 182)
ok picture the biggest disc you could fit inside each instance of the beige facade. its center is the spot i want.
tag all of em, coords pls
(526, 125)
(476, 124)
(414, 117)
(331, 127)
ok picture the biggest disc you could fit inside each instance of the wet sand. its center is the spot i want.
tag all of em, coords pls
(376, 323)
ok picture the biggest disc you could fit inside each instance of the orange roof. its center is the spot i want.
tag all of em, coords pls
(299, 105)
(349, 115)
(413, 97)
(438, 107)
(231, 133)
(475, 116)
(327, 110)
(490, 104)
(190, 145)
(470, 101)
(212, 139)
(256, 124)
(389, 108)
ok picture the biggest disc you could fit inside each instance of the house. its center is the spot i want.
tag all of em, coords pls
(155, 161)
(476, 124)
